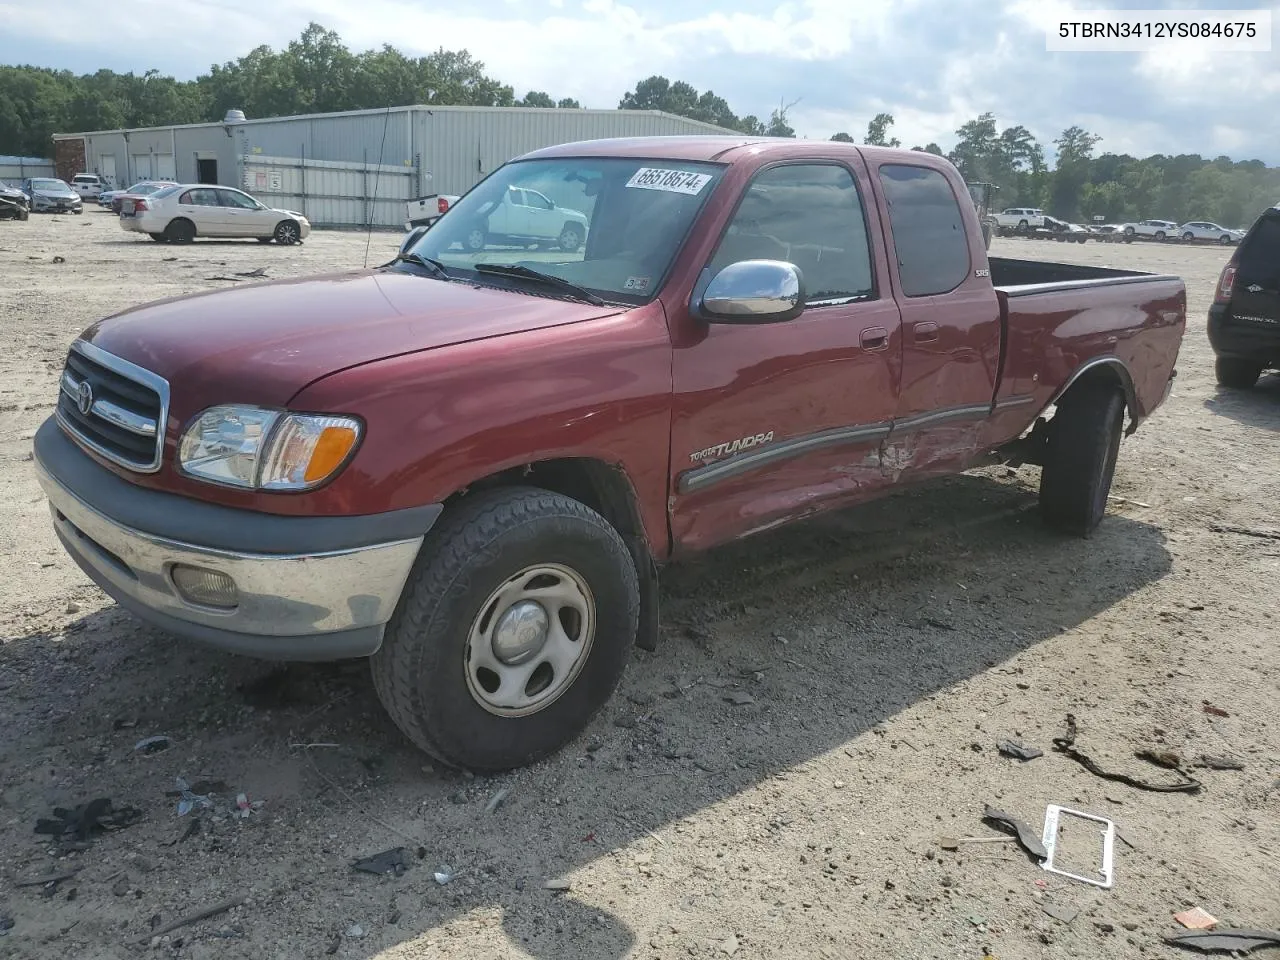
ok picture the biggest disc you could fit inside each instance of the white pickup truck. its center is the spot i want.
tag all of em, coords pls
(425, 211)
(1020, 218)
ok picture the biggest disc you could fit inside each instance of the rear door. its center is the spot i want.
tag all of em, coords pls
(1255, 297)
(200, 206)
(950, 322)
(773, 421)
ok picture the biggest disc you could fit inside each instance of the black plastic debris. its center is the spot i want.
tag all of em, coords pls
(6, 924)
(1028, 838)
(87, 820)
(1220, 763)
(395, 861)
(201, 787)
(1066, 745)
(1225, 940)
(1011, 748)
(153, 744)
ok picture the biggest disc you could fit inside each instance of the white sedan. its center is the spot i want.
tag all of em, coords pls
(188, 210)
(1207, 230)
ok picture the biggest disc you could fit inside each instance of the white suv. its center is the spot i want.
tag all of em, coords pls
(88, 185)
(1207, 230)
(1156, 229)
(1021, 218)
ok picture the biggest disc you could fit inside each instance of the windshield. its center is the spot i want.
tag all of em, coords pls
(42, 184)
(611, 225)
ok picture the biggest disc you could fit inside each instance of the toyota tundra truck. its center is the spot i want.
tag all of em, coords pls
(469, 464)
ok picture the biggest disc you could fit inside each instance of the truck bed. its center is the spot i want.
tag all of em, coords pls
(1058, 318)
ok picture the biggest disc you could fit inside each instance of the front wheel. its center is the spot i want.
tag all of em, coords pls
(287, 233)
(1235, 373)
(1224, 239)
(513, 630)
(1188, 236)
(570, 238)
(1023, 226)
(1160, 235)
(1080, 458)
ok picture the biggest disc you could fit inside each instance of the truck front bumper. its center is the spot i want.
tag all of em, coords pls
(286, 588)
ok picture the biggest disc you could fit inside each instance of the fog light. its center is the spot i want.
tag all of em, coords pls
(208, 588)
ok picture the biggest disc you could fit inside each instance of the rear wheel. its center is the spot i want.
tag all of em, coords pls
(288, 233)
(1224, 239)
(477, 240)
(1236, 373)
(1188, 236)
(1080, 458)
(1023, 226)
(180, 231)
(1129, 232)
(513, 630)
(1159, 234)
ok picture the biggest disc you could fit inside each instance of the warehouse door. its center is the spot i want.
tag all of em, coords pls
(162, 167)
(206, 170)
(141, 166)
(107, 169)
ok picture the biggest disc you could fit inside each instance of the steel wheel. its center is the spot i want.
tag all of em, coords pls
(476, 239)
(530, 640)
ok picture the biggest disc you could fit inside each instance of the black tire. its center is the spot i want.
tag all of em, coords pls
(180, 231)
(287, 233)
(24, 214)
(158, 237)
(1160, 236)
(1236, 373)
(1188, 236)
(78, 211)
(570, 238)
(1023, 226)
(1224, 239)
(420, 672)
(1080, 458)
(1129, 231)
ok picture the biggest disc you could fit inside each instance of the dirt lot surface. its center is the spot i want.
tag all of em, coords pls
(884, 652)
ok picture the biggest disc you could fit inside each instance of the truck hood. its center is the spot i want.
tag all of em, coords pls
(264, 342)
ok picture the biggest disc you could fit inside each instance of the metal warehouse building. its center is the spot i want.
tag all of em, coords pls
(350, 168)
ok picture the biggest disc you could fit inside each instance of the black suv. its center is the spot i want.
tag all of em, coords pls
(1244, 321)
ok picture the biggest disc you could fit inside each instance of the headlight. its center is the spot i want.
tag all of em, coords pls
(258, 448)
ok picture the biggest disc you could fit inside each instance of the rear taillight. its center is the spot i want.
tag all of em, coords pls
(1226, 282)
(442, 204)
(139, 206)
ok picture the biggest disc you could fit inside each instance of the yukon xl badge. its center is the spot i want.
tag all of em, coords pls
(732, 447)
(1253, 288)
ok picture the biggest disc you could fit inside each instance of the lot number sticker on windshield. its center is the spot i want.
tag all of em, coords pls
(672, 181)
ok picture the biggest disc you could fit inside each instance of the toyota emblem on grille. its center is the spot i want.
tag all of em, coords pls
(84, 397)
(1253, 288)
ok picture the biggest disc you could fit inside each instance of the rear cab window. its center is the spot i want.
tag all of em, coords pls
(928, 229)
(810, 215)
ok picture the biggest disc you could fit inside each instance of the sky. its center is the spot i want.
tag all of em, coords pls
(933, 64)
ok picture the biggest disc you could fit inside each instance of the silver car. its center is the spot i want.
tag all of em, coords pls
(182, 212)
(52, 196)
(1208, 230)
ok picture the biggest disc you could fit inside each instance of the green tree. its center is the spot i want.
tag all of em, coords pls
(1075, 154)
(842, 138)
(878, 131)
(536, 98)
(568, 103)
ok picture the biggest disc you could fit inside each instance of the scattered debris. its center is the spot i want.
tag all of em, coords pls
(1053, 816)
(258, 272)
(1136, 503)
(1220, 763)
(1066, 746)
(1225, 940)
(1160, 758)
(244, 806)
(1011, 748)
(120, 723)
(396, 861)
(1196, 919)
(40, 881)
(121, 887)
(334, 945)
(496, 800)
(153, 744)
(355, 931)
(740, 699)
(192, 829)
(88, 819)
(444, 874)
(729, 946)
(1246, 531)
(1026, 836)
(949, 843)
(59, 259)
(1213, 711)
(558, 886)
(232, 279)
(938, 624)
(6, 924)
(199, 915)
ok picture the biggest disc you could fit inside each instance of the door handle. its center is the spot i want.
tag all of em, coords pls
(874, 338)
(926, 332)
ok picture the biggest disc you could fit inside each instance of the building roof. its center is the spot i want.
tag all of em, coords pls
(379, 111)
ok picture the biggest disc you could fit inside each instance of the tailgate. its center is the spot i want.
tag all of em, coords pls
(1255, 296)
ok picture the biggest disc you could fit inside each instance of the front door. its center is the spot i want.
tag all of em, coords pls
(200, 206)
(772, 421)
(242, 215)
(950, 324)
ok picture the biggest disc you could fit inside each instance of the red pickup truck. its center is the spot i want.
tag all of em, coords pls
(469, 463)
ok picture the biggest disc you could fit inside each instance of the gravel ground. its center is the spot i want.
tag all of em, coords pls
(882, 653)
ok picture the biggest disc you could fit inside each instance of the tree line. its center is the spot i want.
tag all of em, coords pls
(317, 73)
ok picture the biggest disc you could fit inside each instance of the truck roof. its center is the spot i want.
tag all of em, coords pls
(717, 148)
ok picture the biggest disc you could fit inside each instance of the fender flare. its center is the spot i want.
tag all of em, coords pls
(1126, 383)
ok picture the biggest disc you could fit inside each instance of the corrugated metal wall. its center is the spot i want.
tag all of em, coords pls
(331, 192)
(459, 147)
(431, 150)
(16, 172)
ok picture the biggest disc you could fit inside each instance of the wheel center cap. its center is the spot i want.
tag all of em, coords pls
(521, 632)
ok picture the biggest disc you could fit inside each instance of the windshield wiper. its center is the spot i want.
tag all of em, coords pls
(550, 279)
(435, 266)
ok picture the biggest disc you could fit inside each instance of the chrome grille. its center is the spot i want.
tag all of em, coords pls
(113, 407)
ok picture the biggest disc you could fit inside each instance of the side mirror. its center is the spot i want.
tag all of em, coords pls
(412, 238)
(754, 291)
